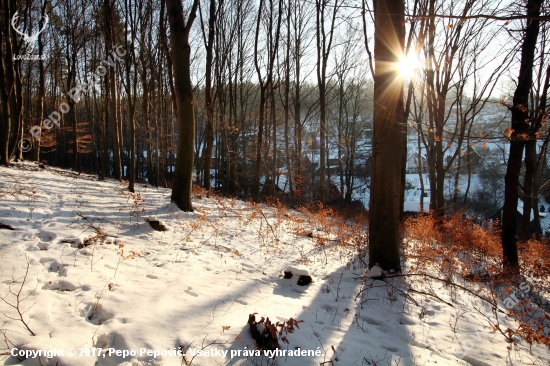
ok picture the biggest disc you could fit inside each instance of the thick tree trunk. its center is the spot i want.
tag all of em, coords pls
(182, 187)
(519, 115)
(7, 79)
(386, 184)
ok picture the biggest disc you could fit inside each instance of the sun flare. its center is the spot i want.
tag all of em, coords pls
(408, 65)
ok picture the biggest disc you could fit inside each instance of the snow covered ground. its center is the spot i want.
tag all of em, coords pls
(96, 284)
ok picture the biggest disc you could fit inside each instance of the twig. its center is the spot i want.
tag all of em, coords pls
(19, 300)
(268, 224)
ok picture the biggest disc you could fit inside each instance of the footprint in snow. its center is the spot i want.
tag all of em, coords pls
(407, 321)
(59, 285)
(153, 277)
(60, 268)
(192, 293)
(28, 237)
(390, 348)
(42, 245)
(32, 248)
(370, 320)
(241, 301)
(333, 328)
(47, 235)
(414, 343)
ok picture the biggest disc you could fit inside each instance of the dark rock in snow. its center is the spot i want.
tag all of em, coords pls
(156, 224)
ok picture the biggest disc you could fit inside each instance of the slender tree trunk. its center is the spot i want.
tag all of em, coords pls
(324, 46)
(530, 187)
(530, 157)
(289, 175)
(420, 172)
(112, 101)
(264, 85)
(275, 157)
(114, 125)
(71, 114)
(299, 176)
(207, 155)
(105, 131)
(41, 84)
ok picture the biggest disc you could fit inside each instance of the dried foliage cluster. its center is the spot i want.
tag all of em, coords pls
(466, 255)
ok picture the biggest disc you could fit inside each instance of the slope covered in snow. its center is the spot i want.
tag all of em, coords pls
(93, 281)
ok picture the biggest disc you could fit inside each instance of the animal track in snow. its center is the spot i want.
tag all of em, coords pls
(370, 320)
(96, 314)
(59, 285)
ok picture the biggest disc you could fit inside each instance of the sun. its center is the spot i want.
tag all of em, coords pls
(407, 65)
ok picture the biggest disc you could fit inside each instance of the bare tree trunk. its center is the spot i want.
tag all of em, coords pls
(274, 137)
(182, 187)
(264, 84)
(131, 83)
(10, 83)
(289, 175)
(386, 183)
(324, 46)
(207, 154)
(530, 187)
(112, 101)
(41, 84)
(420, 173)
(257, 164)
(517, 142)
(71, 82)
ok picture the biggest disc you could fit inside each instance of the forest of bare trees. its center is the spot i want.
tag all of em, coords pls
(301, 101)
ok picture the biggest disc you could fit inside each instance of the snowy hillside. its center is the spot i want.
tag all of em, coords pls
(93, 281)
